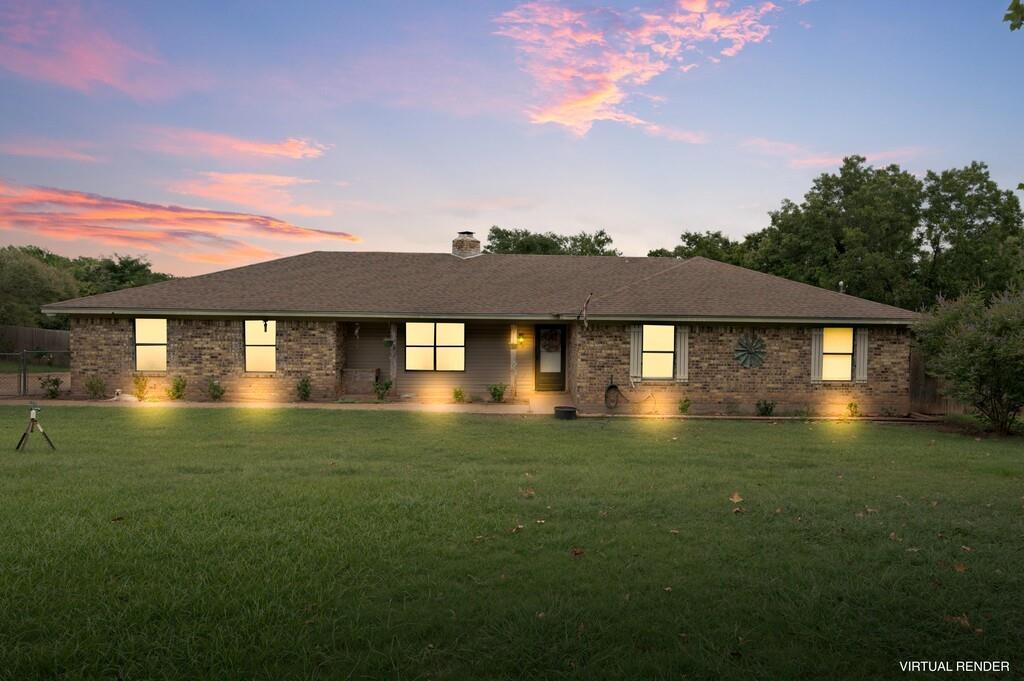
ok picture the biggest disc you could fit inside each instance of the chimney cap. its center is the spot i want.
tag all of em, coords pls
(466, 233)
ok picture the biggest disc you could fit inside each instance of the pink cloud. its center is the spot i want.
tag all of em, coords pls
(61, 44)
(798, 156)
(588, 63)
(53, 149)
(265, 193)
(188, 142)
(188, 233)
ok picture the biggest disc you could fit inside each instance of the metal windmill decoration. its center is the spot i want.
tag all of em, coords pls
(750, 351)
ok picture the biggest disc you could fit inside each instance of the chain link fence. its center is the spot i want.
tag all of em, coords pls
(32, 373)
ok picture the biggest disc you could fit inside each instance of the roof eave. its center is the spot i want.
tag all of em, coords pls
(398, 314)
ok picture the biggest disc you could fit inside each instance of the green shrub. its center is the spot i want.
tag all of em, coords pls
(140, 387)
(51, 386)
(976, 347)
(304, 389)
(684, 406)
(215, 390)
(381, 389)
(177, 389)
(765, 407)
(459, 395)
(497, 391)
(853, 409)
(96, 387)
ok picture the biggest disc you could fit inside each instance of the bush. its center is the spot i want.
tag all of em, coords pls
(459, 395)
(304, 389)
(177, 389)
(497, 391)
(853, 409)
(977, 348)
(96, 387)
(51, 386)
(140, 387)
(381, 389)
(215, 390)
(684, 406)
(765, 407)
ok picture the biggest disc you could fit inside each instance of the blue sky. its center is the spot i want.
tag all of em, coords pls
(206, 138)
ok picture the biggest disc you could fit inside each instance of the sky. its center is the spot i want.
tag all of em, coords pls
(212, 135)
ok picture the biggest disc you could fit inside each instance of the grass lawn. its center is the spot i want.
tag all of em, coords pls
(246, 543)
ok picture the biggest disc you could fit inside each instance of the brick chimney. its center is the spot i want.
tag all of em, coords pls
(465, 246)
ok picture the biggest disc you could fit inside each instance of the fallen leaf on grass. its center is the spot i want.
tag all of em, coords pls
(735, 498)
(527, 492)
(894, 537)
(540, 615)
(960, 567)
(576, 552)
(117, 519)
(668, 589)
(517, 528)
(739, 509)
(868, 509)
(959, 619)
(540, 521)
(673, 531)
(967, 548)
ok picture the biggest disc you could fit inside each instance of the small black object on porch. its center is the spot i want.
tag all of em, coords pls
(565, 413)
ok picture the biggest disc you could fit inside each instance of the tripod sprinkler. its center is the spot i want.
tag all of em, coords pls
(33, 425)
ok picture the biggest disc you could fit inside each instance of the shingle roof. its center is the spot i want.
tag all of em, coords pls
(352, 284)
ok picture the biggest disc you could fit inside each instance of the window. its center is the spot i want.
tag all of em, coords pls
(151, 345)
(433, 346)
(260, 345)
(658, 351)
(837, 354)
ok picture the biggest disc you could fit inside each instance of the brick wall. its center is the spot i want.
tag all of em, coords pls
(719, 385)
(201, 349)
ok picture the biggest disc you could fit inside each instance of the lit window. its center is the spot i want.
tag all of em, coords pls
(837, 354)
(260, 345)
(658, 351)
(151, 345)
(433, 346)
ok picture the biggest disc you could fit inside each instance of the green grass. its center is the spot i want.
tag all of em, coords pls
(279, 544)
(12, 367)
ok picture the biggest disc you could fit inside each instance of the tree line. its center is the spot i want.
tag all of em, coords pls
(31, 277)
(878, 233)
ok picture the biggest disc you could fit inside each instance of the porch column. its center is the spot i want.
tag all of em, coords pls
(513, 360)
(393, 355)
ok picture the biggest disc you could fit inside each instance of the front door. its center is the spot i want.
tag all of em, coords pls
(549, 358)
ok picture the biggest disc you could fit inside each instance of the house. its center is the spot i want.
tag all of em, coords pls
(659, 330)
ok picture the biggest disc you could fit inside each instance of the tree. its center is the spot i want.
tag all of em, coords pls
(48, 278)
(523, 241)
(978, 349)
(973, 233)
(26, 284)
(708, 244)
(1015, 15)
(857, 227)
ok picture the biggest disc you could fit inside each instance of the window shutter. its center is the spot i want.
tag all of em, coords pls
(682, 353)
(635, 348)
(860, 355)
(816, 354)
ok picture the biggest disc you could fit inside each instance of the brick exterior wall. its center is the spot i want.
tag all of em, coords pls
(719, 385)
(201, 349)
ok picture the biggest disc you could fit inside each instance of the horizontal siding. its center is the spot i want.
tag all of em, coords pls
(488, 360)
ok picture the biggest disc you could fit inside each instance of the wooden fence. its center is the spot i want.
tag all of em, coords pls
(18, 338)
(926, 394)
